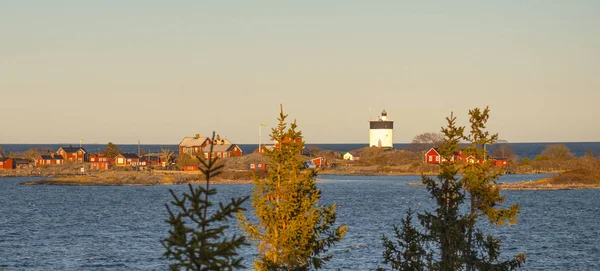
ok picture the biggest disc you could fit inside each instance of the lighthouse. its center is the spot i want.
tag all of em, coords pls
(380, 134)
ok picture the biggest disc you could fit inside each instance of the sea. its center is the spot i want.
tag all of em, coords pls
(523, 150)
(120, 227)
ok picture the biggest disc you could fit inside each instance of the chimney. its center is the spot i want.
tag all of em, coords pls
(197, 136)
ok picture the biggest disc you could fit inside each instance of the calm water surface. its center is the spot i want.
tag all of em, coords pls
(119, 228)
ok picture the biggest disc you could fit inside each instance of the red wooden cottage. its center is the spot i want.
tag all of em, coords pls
(433, 156)
(7, 163)
(319, 161)
(127, 159)
(100, 162)
(223, 150)
(193, 145)
(257, 166)
(73, 154)
(150, 160)
(49, 159)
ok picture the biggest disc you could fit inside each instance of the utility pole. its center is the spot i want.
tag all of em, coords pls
(260, 126)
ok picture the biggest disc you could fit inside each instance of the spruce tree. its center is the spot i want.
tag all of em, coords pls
(449, 240)
(197, 239)
(409, 253)
(293, 232)
(480, 181)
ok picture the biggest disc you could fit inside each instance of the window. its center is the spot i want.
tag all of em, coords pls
(430, 158)
(251, 165)
(437, 158)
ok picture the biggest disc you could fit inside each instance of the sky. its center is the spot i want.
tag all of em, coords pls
(157, 71)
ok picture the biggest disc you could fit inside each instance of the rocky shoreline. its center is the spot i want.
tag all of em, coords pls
(70, 177)
(546, 184)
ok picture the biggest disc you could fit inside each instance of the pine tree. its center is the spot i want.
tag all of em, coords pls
(112, 150)
(293, 231)
(450, 240)
(197, 240)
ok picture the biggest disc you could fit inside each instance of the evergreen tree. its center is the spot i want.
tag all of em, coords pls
(480, 180)
(450, 240)
(197, 240)
(293, 231)
(409, 254)
(112, 150)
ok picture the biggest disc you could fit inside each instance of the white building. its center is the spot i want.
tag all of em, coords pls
(351, 156)
(380, 134)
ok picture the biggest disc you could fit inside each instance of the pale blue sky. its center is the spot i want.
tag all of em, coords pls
(160, 70)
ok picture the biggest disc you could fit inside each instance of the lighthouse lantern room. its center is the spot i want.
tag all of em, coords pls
(380, 134)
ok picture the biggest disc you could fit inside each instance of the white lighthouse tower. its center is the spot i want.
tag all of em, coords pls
(380, 134)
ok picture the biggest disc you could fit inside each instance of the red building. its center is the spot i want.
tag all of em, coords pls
(193, 145)
(49, 159)
(190, 168)
(7, 163)
(73, 154)
(100, 162)
(319, 161)
(223, 150)
(433, 156)
(100, 158)
(127, 159)
(151, 160)
(257, 167)
(501, 162)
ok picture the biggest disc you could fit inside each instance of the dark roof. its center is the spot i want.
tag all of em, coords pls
(129, 155)
(21, 161)
(49, 157)
(71, 149)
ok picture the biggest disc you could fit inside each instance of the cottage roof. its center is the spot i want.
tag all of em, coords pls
(72, 149)
(436, 150)
(192, 141)
(222, 141)
(129, 155)
(219, 147)
(21, 161)
(51, 157)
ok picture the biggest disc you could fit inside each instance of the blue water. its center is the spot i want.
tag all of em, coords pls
(528, 150)
(119, 228)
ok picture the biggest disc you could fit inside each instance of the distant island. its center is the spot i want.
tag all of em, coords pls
(74, 166)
